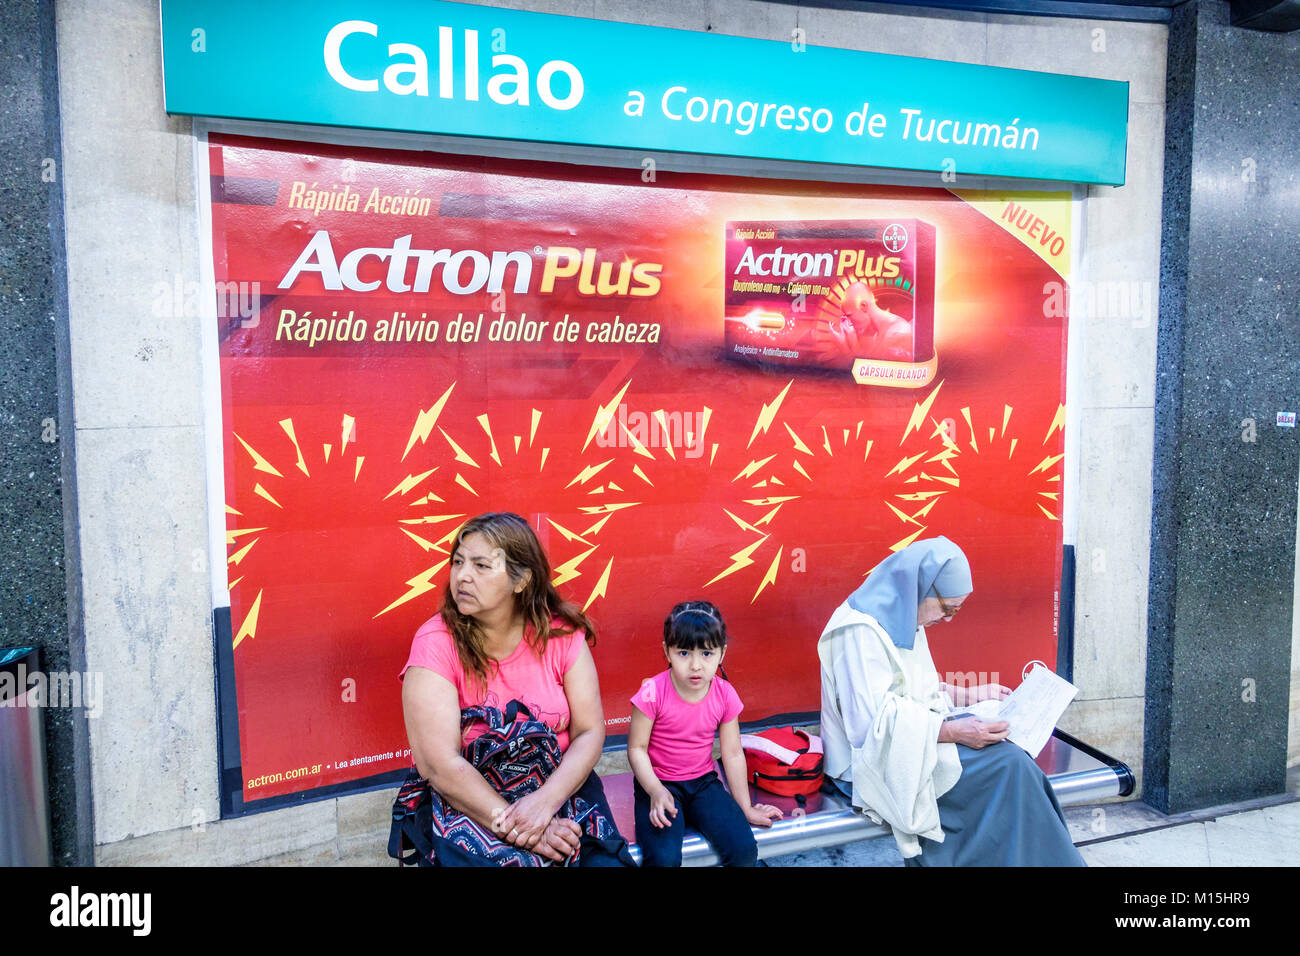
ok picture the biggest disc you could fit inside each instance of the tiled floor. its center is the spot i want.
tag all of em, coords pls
(1132, 834)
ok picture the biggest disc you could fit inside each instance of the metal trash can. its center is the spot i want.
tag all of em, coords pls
(24, 797)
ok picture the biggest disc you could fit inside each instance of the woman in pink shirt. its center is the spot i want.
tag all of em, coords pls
(505, 634)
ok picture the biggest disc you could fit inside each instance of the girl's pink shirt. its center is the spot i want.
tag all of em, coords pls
(536, 681)
(681, 738)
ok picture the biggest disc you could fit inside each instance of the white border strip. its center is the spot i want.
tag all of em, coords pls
(210, 356)
(1074, 346)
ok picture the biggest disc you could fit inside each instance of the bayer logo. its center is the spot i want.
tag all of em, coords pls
(895, 237)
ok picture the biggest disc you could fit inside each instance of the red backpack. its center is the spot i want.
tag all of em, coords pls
(784, 761)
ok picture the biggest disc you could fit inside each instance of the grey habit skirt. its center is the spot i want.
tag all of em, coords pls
(1001, 812)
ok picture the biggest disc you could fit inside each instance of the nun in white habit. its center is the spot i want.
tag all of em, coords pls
(954, 793)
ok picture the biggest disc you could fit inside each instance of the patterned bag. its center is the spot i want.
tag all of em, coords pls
(516, 754)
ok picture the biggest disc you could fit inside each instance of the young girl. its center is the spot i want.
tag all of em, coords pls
(675, 716)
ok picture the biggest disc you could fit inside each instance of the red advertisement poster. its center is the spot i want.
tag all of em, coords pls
(411, 339)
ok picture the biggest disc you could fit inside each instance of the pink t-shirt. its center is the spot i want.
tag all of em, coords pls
(538, 682)
(681, 740)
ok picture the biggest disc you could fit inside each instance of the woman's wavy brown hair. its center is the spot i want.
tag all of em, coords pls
(538, 602)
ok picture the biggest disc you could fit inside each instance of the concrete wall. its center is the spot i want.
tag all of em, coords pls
(132, 226)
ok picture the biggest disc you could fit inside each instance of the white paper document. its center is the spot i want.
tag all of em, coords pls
(1032, 709)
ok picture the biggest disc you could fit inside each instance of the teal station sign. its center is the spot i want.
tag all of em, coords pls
(448, 68)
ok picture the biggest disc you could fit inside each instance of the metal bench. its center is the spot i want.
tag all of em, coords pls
(1078, 774)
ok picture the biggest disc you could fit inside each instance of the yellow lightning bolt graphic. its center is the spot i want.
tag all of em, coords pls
(764, 502)
(744, 525)
(259, 490)
(604, 414)
(955, 482)
(487, 427)
(637, 447)
(798, 466)
(767, 518)
(1046, 512)
(568, 535)
(407, 483)
(919, 412)
(713, 454)
(425, 421)
(259, 463)
(232, 511)
(704, 426)
(636, 470)
(582, 477)
(424, 545)
(287, 425)
(741, 559)
(599, 589)
(233, 533)
(752, 467)
(567, 571)
(595, 529)
(461, 456)
(518, 439)
(357, 474)
(614, 487)
(327, 446)
(542, 464)
(663, 426)
(904, 464)
(826, 441)
(770, 577)
(768, 413)
(239, 555)
(422, 583)
(249, 627)
(1012, 450)
(1046, 463)
(429, 519)
(870, 442)
(902, 515)
(349, 433)
(1006, 417)
(231, 585)
(448, 537)
(965, 412)
(925, 510)
(606, 509)
(460, 480)
(532, 426)
(798, 442)
(1058, 423)
(900, 545)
